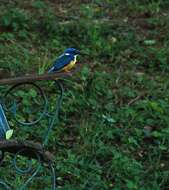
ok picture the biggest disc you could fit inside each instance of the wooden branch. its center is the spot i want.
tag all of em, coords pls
(33, 78)
(26, 148)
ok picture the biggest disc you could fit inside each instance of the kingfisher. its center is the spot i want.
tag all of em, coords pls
(66, 61)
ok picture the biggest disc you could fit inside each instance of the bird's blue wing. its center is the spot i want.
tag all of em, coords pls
(4, 126)
(61, 62)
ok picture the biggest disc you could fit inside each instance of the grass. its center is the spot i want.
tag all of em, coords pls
(114, 121)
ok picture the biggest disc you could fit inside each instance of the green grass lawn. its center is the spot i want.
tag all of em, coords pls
(114, 121)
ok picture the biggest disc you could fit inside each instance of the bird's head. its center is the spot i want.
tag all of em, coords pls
(72, 51)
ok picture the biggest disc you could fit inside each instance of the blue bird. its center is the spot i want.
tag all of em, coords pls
(5, 131)
(66, 61)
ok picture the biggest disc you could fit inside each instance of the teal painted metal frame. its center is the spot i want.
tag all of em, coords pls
(33, 154)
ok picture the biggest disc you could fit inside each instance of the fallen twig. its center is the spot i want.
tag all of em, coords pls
(134, 100)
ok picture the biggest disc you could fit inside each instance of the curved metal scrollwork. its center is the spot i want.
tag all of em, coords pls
(30, 106)
(17, 101)
(4, 186)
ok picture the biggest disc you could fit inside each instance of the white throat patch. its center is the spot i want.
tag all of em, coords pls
(75, 58)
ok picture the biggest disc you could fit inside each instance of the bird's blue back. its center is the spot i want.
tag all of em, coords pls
(61, 62)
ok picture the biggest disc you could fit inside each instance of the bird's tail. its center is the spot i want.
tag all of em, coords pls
(56, 71)
(51, 70)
